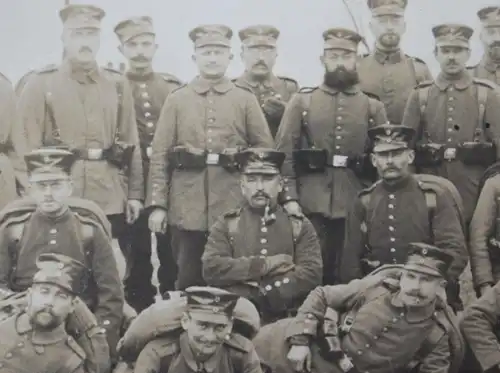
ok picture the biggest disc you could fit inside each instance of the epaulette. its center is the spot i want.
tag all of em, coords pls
(47, 69)
(307, 89)
(239, 85)
(369, 189)
(485, 83)
(419, 60)
(169, 78)
(290, 81)
(76, 347)
(238, 342)
(372, 95)
(424, 84)
(21, 218)
(232, 213)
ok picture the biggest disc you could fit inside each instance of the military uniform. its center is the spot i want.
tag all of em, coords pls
(386, 217)
(382, 335)
(236, 353)
(192, 175)
(391, 75)
(487, 68)
(323, 119)
(277, 88)
(80, 233)
(149, 91)
(461, 118)
(241, 241)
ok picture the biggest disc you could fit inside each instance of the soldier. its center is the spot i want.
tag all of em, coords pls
(258, 251)
(150, 89)
(259, 54)
(50, 221)
(457, 118)
(388, 72)
(193, 174)
(92, 111)
(384, 329)
(207, 343)
(400, 209)
(489, 66)
(323, 134)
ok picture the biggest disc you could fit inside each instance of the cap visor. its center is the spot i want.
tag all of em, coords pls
(260, 171)
(423, 269)
(388, 147)
(208, 316)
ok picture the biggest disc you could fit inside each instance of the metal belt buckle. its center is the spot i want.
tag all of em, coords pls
(450, 154)
(339, 161)
(149, 151)
(212, 158)
(94, 154)
(346, 364)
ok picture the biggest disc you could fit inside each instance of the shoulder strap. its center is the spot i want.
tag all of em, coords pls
(166, 360)
(119, 113)
(232, 224)
(482, 97)
(55, 133)
(372, 110)
(423, 97)
(296, 227)
(306, 102)
(431, 203)
(411, 64)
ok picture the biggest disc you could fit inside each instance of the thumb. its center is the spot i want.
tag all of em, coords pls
(308, 362)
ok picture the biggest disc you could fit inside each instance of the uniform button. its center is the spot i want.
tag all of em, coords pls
(450, 109)
(106, 322)
(144, 95)
(450, 99)
(393, 250)
(147, 105)
(150, 124)
(20, 344)
(385, 329)
(142, 85)
(263, 229)
(339, 127)
(395, 319)
(277, 284)
(391, 229)
(392, 196)
(449, 140)
(263, 241)
(8, 355)
(376, 337)
(286, 280)
(394, 261)
(339, 137)
(367, 345)
(450, 129)
(391, 217)
(306, 331)
(391, 206)
(450, 119)
(1, 365)
(360, 352)
(147, 115)
(310, 316)
(337, 147)
(52, 242)
(153, 202)
(450, 89)
(53, 231)
(286, 189)
(339, 117)
(393, 239)
(209, 140)
(402, 314)
(263, 251)
(268, 287)
(210, 101)
(288, 197)
(341, 108)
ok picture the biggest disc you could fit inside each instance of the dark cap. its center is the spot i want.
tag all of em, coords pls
(132, 27)
(259, 35)
(387, 7)
(490, 16)
(49, 160)
(390, 137)
(61, 270)
(428, 259)
(77, 16)
(452, 35)
(260, 161)
(211, 35)
(210, 303)
(341, 38)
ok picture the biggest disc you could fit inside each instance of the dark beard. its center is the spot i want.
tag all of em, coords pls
(341, 78)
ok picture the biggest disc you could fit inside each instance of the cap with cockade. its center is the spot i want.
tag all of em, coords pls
(452, 35)
(490, 16)
(76, 16)
(259, 35)
(387, 7)
(50, 160)
(61, 270)
(341, 38)
(218, 35)
(388, 137)
(260, 161)
(210, 303)
(428, 259)
(132, 27)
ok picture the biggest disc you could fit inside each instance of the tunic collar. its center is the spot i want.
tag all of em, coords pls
(187, 353)
(81, 75)
(462, 83)
(133, 76)
(490, 65)
(202, 86)
(413, 314)
(271, 82)
(23, 326)
(398, 185)
(333, 91)
(383, 57)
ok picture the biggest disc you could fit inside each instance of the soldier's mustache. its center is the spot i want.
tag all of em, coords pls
(86, 49)
(140, 59)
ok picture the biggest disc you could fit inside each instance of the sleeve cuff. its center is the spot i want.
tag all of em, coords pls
(300, 340)
(257, 267)
(303, 325)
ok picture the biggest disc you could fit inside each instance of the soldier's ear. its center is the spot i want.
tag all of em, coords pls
(185, 320)
(373, 159)
(411, 156)
(231, 56)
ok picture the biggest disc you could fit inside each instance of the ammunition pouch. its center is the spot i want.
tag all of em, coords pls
(329, 337)
(5, 148)
(477, 153)
(429, 155)
(120, 154)
(194, 159)
(310, 160)
(270, 301)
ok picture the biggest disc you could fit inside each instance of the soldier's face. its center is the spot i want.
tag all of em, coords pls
(261, 190)
(393, 164)
(50, 193)
(452, 59)
(212, 60)
(419, 289)
(388, 30)
(139, 51)
(333, 59)
(490, 36)
(48, 306)
(259, 60)
(82, 44)
(205, 335)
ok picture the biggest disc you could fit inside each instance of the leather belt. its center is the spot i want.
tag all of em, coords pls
(212, 159)
(91, 154)
(450, 154)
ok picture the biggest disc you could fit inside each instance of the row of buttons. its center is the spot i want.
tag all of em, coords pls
(146, 104)
(391, 227)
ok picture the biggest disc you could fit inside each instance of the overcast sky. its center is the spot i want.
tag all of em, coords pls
(30, 30)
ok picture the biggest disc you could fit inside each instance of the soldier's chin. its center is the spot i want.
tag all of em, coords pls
(390, 40)
(45, 320)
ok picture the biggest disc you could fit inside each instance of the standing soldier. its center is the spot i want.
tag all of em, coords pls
(150, 89)
(457, 118)
(388, 72)
(91, 110)
(324, 136)
(259, 56)
(193, 175)
(489, 67)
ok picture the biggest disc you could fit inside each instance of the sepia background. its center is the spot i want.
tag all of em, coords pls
(30, 36)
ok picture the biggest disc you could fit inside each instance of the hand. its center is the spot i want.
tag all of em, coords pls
(293, 208)
(276, 262)
(134, 208)
(158, 221)
(300, 358)
(274, 107)
(484, 288)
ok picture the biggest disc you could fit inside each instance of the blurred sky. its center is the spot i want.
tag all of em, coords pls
(30, 30)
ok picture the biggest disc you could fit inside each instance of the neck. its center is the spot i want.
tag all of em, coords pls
(385, 49)
(212, 78)
(55, 214)
(141, 71)
(85, 66)
(259, 77)
(455, 76)
(396, 182)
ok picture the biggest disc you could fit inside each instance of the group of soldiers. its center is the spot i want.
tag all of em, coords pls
(338, 217)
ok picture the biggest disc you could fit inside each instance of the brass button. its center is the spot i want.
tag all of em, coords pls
(391, 206)
(150, 124)
(52, 242)
(393, 250)
(263, 251)
(263, 229)
(53, 231)
(263, 241)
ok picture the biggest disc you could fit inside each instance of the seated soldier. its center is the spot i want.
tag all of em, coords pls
(402, 325)
(259, 251)
(36, 340)
(206, 344)
(49, 220)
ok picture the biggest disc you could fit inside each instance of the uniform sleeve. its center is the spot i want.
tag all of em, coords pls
(5, 260)
(252, 362)
(492, 118)
(448, 233)
(380, 114)
(481, 228)
(354, 244)
(287, 139)
(219, 266)
(438, 361)
(478, 325)
(258, 132)
(127, 129)
(149, 360)
(412, 116)
(163, 140)
(423, 72)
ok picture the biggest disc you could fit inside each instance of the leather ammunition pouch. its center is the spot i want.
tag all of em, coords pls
(119, 154)
(192, 159)
(310, 160)
(429, 155)
(328, 337)
(270, 301)
(477, 153)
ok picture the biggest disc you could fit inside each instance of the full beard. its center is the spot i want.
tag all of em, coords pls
(45, 319)
(494, 51)
(341, 78)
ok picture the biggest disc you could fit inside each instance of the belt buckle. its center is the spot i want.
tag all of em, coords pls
(450, 154)
(212, 159)
(149, 151)
(339, 161)
(94, 154)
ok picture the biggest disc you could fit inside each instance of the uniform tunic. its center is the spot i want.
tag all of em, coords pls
(338, 122)
(235, 258)
(396, 216)
(24, 351)
(450, 118)
(384, 337)
(211, 118)
(85, 110)
(486, 69)
(392, 77)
